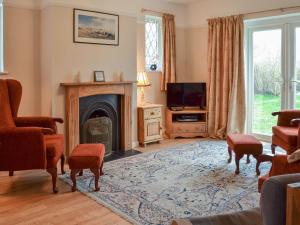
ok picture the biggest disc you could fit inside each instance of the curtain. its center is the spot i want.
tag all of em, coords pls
(226, 98)
(169, 56)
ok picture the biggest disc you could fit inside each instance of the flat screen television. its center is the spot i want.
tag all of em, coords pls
(186, 95)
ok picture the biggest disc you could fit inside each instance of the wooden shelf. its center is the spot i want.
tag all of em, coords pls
(186, 128)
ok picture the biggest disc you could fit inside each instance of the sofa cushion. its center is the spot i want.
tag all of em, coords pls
(288, 134)
(6, 119)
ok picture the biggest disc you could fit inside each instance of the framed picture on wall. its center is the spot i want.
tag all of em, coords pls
(99, 76)
(96, 27)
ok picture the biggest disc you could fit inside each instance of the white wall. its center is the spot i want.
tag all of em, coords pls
(43, 55)
(22, 55)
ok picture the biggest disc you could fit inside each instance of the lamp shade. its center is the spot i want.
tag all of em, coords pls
(142, 79)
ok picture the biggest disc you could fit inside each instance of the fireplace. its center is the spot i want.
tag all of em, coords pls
(77, 94)
(99, 121)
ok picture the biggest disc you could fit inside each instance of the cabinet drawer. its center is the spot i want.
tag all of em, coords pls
(189, 128)
(152, 113)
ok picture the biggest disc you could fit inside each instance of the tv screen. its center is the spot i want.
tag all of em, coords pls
(186, 95)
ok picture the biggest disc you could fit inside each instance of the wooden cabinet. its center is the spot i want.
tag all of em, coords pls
(149, 123)
(180, 128)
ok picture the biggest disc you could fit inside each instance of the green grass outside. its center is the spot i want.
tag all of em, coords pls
(264, 105)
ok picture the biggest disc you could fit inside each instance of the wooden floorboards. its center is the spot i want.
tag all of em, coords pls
(26, 199)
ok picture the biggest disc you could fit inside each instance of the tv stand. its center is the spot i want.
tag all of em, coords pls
(178, 127)
(176, 108)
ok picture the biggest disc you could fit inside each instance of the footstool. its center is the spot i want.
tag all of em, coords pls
(87, 156)
(243, 144)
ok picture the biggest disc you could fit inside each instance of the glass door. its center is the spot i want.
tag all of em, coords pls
(295, 67)
(267, 79)
(273, 70)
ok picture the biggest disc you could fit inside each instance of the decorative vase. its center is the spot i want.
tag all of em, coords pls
(153, 67)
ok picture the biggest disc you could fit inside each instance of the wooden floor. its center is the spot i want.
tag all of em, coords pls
(26, 198)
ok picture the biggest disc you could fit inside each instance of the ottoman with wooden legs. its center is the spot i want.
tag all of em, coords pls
(243, 144)
(87, 156)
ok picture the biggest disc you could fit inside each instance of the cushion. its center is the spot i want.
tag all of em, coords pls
(294, 157)
(86, 156)
(54, 148)
(244, 144)
(6, 119)
(288, 134)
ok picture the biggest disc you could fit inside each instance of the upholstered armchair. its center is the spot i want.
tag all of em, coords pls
(286, 134)
(280, 166)
(27, 143)
(279, 205)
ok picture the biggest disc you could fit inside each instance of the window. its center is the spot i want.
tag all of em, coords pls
(153, 42)
(1, 37)
(273, 70)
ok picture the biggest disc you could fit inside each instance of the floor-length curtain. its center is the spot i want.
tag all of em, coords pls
(169, 56)
(226, 76)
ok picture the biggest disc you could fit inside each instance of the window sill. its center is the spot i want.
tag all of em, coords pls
(4, 73)
(153, 71)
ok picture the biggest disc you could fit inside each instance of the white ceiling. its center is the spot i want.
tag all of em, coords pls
(183, 1)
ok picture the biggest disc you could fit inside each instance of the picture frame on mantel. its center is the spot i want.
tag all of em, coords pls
(99, 76)
(92, 27)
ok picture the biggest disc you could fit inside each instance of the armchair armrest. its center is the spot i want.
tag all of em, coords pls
(293, 204)
(285, 117)
(295, 122)
(22, 149)
(281, 166)
(46, 122)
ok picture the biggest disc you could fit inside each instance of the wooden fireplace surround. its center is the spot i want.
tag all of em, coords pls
(74, 91)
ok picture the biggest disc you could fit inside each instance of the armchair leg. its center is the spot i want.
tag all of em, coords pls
(273, 148)
(11, 173)
(62, 162)
(53, 173)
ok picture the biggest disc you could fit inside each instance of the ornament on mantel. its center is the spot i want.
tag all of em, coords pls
(78, 77)
(121, 75)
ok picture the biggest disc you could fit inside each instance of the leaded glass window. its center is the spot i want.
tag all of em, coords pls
(153, 42)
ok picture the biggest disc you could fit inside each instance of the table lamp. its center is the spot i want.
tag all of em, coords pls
(142, 81)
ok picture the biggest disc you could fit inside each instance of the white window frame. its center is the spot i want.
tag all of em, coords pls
(285, 23)
(1, 39)
(160, 44)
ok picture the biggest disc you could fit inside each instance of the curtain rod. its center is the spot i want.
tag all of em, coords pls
(152, 11)
(271, 10)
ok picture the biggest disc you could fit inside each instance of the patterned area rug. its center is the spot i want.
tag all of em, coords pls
(182, 181)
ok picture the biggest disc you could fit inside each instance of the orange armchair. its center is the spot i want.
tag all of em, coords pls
(27, 143)
(286, 134)
(280, 166)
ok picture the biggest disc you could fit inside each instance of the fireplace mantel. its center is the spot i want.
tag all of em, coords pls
(74, 91)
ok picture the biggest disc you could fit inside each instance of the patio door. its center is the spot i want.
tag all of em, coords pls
(273, 71)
